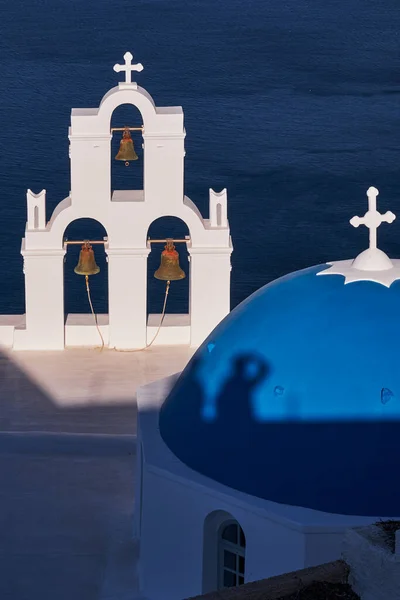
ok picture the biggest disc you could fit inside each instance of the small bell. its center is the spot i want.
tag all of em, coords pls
(126, 149)
(169, 269)
(86, 264)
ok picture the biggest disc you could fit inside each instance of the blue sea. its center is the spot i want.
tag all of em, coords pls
(293, 105)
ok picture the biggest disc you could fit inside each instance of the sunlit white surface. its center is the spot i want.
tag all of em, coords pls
(48, 385)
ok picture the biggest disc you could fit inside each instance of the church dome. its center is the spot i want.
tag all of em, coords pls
(295, 396)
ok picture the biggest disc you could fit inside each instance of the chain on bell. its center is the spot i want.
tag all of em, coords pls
(169, 269)
(126, 150)
(87, 263)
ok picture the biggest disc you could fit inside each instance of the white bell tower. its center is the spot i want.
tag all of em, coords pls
(126, 215)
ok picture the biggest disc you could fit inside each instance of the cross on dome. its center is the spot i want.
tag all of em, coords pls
(373, 218)
(372, 259)
(128, 67)
(372, 264)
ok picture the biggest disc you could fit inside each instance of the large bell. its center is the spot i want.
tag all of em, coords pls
(169, 269)
(87, 263)
(126, 149)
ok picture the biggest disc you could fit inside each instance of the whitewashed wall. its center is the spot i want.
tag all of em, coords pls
(323, 546)
(172, 538)
(374, 569)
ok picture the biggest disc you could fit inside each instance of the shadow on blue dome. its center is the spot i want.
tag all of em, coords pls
(247, 372)
(342, 467)
(307, 425)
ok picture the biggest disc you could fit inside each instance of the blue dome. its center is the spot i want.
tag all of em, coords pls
(295, 397)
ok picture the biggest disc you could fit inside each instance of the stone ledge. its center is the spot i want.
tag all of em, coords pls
(276, 588)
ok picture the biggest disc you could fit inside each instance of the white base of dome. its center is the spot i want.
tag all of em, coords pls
(359, 269)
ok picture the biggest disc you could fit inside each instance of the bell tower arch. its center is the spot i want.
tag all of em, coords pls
(127, 155)
(126, 217)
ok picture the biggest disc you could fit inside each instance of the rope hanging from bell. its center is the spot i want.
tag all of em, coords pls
(87, 266)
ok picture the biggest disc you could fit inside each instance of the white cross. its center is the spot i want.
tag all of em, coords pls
(128, 67)
(373, 218)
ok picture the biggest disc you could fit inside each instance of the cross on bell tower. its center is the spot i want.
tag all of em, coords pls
(128, 67)
(372, 259)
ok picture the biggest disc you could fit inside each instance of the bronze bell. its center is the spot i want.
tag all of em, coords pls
(169, 269)
(87, 263)
(126, 149)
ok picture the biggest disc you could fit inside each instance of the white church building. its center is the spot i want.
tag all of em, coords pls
(283, 430)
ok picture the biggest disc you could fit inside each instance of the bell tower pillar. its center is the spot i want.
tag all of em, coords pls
(163, 166)
(127, 276)
(210, 274)
(44, 293)
(90, 167)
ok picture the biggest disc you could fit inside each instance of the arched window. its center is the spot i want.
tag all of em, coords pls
(231, 555)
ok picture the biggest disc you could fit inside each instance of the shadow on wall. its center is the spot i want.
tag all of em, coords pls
(66, 500)
(26, 407)
(345, 467)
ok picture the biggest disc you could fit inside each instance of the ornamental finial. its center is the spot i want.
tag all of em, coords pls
(128, 67)
(372, 259)
(372, 264)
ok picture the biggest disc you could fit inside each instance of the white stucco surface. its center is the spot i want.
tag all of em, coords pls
(67, 466)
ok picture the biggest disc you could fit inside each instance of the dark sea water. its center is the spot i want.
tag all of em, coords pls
(293, 105)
